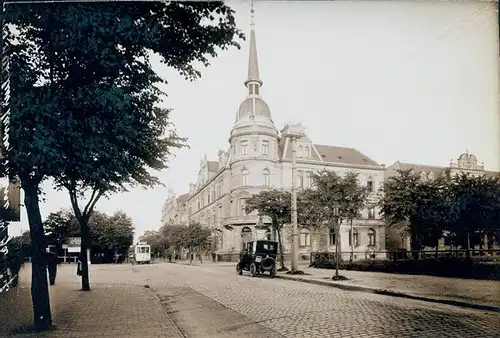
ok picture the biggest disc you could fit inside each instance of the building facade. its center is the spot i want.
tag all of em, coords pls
(258, 158)
(397, 236)
(175, 210)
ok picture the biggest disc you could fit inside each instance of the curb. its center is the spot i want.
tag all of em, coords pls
(391, 293)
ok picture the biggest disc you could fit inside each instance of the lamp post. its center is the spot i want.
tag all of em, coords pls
(336, 226)
(294, 131)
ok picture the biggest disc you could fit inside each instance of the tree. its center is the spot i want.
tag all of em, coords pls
(475, 206)
(84, 110)
(195, 236)
(59, 226)
(333, 200)
(111, 235)
(423, 207)
(275, 204)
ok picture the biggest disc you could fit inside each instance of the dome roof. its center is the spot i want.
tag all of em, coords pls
(261, 108)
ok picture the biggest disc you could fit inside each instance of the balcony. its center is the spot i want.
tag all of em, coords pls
(236, 220)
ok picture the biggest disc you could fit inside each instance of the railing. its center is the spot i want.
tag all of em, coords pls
(402, 254)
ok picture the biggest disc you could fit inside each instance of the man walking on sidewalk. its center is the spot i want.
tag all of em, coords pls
(51, 266)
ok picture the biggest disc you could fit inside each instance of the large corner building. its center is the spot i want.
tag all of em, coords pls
(257, 158)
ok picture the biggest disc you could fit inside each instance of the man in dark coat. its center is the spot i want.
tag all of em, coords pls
(51, 266)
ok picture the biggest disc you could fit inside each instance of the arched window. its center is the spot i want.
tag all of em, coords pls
(246, 235)
(331, 237)
(371, 213)
(371, 237)
(306, 152)
(305, 237)
(266, 177)
(354, 238)
(244, 177)
(299, 151)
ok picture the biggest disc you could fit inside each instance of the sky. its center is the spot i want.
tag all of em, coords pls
(410, 81)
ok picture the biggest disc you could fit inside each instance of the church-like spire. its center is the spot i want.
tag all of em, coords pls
(253, 81)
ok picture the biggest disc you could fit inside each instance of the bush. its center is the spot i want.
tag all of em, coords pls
(441, 267)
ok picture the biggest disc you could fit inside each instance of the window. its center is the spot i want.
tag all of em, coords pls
(198, 203)
(208, 198)
(266, 177)
(354, 238)
(370, 185)
(252, 89)
(213, 194)
(306, 152)
(371, 237)
(256, 89)
(244, 178)
(242, 205)
(301, 179)
(308, 180)
(265, 147)
(371, 213)
(246, 236)
(244, 147)
(332, 237)
(299, 151)
(305, 237)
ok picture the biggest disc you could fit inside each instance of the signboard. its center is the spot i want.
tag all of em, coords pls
(73, 244)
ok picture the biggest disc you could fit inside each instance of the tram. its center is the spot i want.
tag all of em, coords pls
(142, 253)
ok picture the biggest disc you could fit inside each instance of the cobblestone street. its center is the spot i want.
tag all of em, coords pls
(212, 301)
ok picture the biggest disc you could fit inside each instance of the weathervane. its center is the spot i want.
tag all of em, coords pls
(252, 11)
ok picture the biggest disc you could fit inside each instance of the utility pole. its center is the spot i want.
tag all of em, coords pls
(294, 131)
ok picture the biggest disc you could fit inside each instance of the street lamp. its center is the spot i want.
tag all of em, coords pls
(336, 226)
(294, 131)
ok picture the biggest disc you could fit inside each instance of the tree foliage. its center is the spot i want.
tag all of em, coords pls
(84, 108)
(461, 206)
(275, 204)
(333, 198)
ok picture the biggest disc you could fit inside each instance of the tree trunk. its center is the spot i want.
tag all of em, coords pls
(414, 246)
(85, 244)
(39, 286)
(280, 244)
(468, 245)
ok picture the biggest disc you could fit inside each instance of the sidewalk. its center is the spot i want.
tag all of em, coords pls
(479, 294)
(110, 310)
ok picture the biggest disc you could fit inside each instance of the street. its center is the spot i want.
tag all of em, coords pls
(211, 300)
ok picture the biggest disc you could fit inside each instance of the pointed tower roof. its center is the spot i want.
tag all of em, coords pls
(253, 62)
(253, 105)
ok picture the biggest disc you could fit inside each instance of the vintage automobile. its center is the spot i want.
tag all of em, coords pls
(258, 257)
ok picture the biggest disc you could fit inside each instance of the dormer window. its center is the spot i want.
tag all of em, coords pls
(299, 151)
(306, 152)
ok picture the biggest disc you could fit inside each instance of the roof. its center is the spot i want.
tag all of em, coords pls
(334, 154)
(213, 166)
(418, 168)
(330, 154)
(183, 198)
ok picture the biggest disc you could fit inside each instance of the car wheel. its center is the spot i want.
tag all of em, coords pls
(253, 270)
(238, 270)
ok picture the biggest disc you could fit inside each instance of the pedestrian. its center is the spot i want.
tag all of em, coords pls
(213, 257)
(79, 267)
(15, 263)
(51, 266)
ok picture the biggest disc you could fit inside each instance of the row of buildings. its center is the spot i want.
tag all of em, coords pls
(259, 157)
